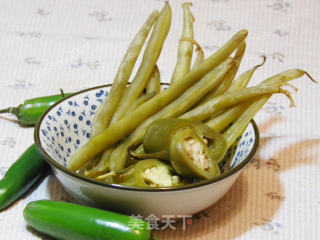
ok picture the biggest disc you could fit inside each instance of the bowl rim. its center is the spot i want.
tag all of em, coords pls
(65, 170)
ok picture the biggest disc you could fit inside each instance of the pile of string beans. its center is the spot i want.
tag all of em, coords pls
(203, 89)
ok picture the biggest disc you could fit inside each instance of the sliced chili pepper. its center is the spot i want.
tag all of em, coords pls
(154, 173)
(149, 173)
(214, 140)
(159, 134)
(30, 111)
(191, 157)
(21, 176)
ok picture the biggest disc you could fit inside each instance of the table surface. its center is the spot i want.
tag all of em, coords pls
(47, 45)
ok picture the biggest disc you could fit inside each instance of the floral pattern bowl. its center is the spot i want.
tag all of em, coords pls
(65, 127)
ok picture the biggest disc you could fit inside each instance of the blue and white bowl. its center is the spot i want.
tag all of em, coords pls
(65, 127)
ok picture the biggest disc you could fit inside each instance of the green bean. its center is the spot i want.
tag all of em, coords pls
(118, 89)
(222, 119)
(107, 108)
(128, 123)
(242, 80)
(207, 109)
(106, 177)
(200, 54)
(228, 78)
(199, 59)
(139, 149)
(222, 87)
(193, 94)
(150, 57)
(287, 76)
(103, 159)
(225, 117)
(239, 125)
(185, 49)
(180, 105)
(236, 129)
(232, 72)
(102, 166)
(140, 100)
(153, 85)
(240, 52)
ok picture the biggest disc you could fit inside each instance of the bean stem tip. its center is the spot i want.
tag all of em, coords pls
(310, 77)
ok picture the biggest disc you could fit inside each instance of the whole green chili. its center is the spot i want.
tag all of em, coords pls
(21, 176)
(30, 111)
(63, 220)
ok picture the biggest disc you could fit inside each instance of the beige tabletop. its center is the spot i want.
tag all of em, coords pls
(47, 45)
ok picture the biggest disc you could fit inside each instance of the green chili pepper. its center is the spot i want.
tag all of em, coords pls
(159, 134)
(191, 157)
(154, 173)
(21, 176)
(70, 221)
(29, 112)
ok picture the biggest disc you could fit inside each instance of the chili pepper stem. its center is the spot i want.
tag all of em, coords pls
(12, 110)
(6, 110)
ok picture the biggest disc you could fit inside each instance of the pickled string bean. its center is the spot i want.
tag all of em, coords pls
(107, 108)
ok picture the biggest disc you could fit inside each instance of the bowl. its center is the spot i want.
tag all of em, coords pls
(65, 127)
